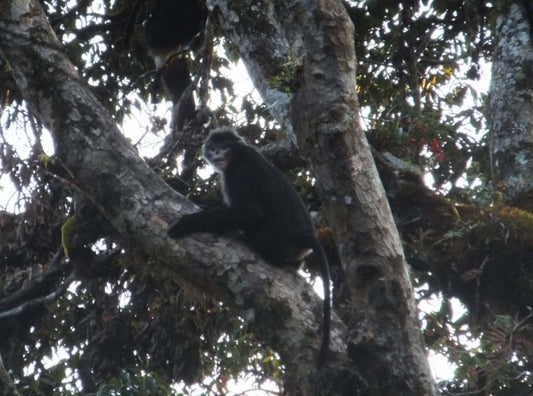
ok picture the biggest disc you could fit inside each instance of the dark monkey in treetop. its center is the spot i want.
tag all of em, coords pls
(528, 14)
(170, 28)
(264, 206)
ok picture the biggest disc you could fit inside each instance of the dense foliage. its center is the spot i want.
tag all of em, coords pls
(99, 322)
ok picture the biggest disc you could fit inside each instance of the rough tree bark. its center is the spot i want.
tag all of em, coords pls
(510, 109)
(316, 39)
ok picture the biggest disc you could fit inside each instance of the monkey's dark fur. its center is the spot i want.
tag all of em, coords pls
(262, 204)
(528, 14)
(171, 26)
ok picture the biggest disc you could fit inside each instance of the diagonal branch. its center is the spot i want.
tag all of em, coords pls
(38, 301)
(7, 387)
(37, 285)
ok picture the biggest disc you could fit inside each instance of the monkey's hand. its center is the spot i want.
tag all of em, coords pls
(215, 220)
(181, 227)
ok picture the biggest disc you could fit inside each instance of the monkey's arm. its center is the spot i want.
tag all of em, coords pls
(216, 220)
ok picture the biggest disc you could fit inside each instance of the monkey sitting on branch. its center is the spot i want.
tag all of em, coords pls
(264, 206)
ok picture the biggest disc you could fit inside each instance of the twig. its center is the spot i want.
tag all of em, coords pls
(39, 301)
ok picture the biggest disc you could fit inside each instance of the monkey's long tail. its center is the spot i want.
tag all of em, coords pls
(318, 250)
(528, 14)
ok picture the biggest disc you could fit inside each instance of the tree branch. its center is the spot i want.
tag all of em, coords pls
(7, 388)
(37, 285)
(454, 242)
(38, 301)
(509, 108)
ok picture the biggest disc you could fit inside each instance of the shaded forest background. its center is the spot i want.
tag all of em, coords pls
(469, 237)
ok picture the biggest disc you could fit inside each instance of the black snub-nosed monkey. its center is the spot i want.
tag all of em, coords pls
(170, 28)
(264, 206)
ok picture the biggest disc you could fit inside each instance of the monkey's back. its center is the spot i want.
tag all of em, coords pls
(173, 23)
(282, 226)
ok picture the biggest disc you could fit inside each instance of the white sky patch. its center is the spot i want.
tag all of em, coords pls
(440, 365)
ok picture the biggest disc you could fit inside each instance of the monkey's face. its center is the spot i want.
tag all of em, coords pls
(220, 148)
(218, 155)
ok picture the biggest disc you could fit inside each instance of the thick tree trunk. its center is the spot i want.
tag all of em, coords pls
(317, 38)
(510, 109)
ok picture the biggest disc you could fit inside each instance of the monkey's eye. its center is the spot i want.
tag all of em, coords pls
(218, 148)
